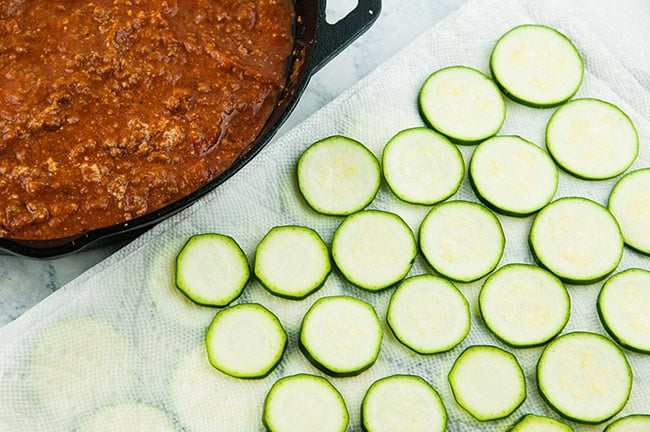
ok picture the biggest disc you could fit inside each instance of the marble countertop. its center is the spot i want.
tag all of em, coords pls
(25, 282)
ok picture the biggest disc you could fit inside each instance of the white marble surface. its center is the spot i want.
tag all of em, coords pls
(25, 282)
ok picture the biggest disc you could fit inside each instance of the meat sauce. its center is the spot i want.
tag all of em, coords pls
(112, 109)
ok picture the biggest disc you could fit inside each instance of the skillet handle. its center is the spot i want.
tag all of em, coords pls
(331, 39)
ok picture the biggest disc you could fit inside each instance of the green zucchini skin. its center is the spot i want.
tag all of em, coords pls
(529, 103)
(187, 291)
(613, 426)
(278, 357)
(566, 278)
(576, 173)
(601, 315)
(456, 139)
(557, 409)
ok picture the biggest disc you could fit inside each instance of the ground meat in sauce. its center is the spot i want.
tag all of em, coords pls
(112, 109)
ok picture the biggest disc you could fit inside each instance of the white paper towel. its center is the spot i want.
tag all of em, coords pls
(128, 305)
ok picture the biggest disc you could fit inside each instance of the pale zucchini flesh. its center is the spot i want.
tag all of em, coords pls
(462, 104)
(512, 175)
(292, 261)
(245, 341)
(487, 382)
(462, 240)
(303, 402)
(536, 65)
(536, 423)
(592, 139)
(584, 376)
(629, 202)
(338, 176)
(624, 306)
(402, 403)
(341, 335)
(211, 269)
(78, 364)
(524, 305)
(577, 239)
(630, 423)
(374, 249)
(422, 167)
(428, 314)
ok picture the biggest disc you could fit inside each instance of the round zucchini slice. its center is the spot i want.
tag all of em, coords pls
(338, 176)
(462, 240)
(374, 249)
(211, 269)
(78, 364)
(584, 376)
(623, 305)
(463, 104)
(428, 314)
(577, 239)
(422, 167)
(629, 202)
(537, 66)
(487, 382)
(341, 335)
(292, 262)
(401, 403)
(303, 402)
(512, 175)
(245, 341)
(524, 305)
(535, 423)
(630, 423)
(592, 139)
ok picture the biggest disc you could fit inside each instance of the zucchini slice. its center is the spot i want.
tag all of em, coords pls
(536, 65)
(487, 382)
(245, 341)
(292, 261)
(422, 167)
(374, 249)
(584, 376)
(524, 305)
(463, 104)
(128, 417)
(78, 364)
(512, 175)
(577, 239)
(629, 202)
(592, 139)
(462, 240)
(165, 297)
(535, 423)
(211, 269)
(338, 176)
(304, 402)
(341, 335)
(630, 423)
(428, 314)
(623, 305)
(402, 403)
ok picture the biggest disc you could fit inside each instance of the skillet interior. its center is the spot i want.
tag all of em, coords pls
(315, 43)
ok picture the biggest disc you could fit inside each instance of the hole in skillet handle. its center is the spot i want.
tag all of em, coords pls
(331, 39)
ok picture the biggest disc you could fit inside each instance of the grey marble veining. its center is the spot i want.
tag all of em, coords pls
(25, 282)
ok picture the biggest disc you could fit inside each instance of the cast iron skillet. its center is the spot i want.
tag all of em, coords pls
(316, 42)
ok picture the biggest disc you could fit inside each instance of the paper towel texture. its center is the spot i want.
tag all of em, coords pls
(122, 333)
